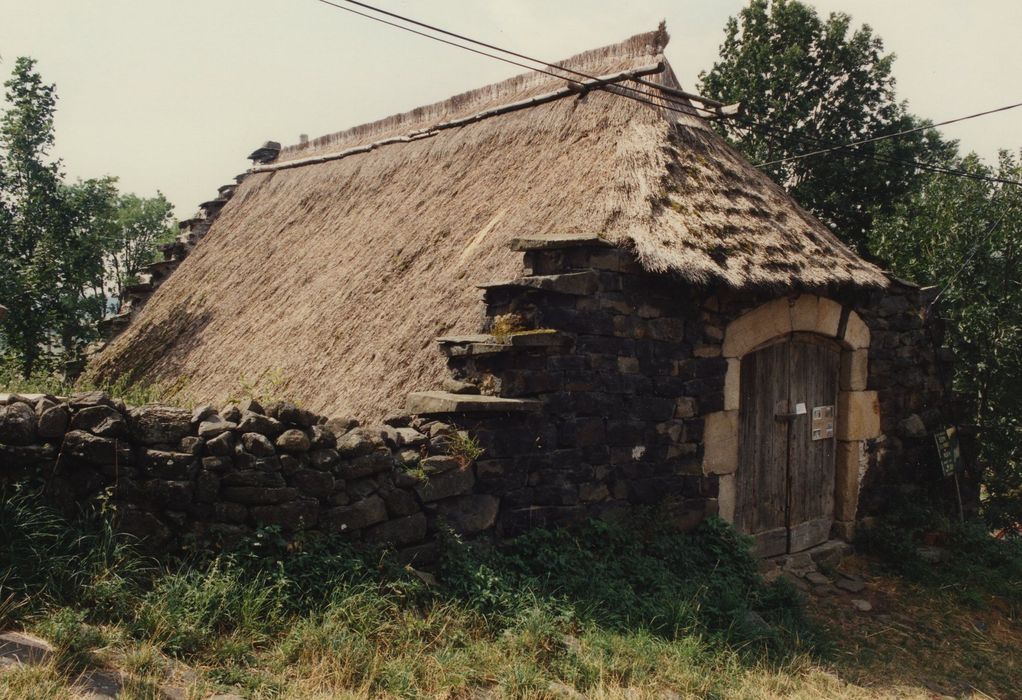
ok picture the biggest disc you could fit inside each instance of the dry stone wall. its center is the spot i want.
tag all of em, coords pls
(178, 478)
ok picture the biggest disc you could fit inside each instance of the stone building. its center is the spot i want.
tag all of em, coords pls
(608, 297)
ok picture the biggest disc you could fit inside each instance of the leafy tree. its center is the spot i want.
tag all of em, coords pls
(87, 215)
(140, 225)
(805, 83)
(30, 191)
(965, 235)
(61, 245)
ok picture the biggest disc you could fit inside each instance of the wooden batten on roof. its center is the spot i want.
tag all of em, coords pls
(342, 271)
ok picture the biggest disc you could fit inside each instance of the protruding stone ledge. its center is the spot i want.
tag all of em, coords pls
(465, 339)
(558, 241)
(572, 283)
(186, 224)
(162, 268)
(463, 345)
(475, 349)
(115, 324)
(139, 288)
(429, 402)
(541, 338)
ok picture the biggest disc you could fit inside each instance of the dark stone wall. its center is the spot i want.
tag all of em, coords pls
(639, 366)
(180, 478)
(623, 391)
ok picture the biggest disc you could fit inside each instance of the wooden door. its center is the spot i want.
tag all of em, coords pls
(784, 490)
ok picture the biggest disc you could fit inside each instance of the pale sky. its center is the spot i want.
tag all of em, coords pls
(173, 94)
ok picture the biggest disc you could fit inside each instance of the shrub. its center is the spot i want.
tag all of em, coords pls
(974, 561)
(638, 574)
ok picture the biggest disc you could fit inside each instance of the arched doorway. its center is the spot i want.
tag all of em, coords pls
(786, 351)
(784, 491)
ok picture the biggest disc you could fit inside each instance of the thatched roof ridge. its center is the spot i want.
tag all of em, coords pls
(336, 277)
(606, 59)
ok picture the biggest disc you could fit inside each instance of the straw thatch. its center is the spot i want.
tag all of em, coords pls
(336, 277)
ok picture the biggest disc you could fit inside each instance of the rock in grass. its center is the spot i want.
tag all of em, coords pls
(861, 605)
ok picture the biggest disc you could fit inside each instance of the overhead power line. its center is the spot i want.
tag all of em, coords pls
(435, 38)
(633, 94)
(883, 137)
(649, 98)
(968, 258)
(780, 137)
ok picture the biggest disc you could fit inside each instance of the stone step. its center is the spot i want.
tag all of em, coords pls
(212, 206)
(162, 268)
(830, 553)
(474, 345)
(139, 288)
(115, 324)
(558, 241)
(186, 224)
(432, 402)
(572, 283)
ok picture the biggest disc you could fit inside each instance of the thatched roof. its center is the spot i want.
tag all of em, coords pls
(336, 277)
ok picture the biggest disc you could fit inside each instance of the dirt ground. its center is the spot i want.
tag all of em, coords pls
(946, 641)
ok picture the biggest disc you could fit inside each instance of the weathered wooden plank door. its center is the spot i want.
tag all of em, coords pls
(784, 494)
(761, 482)
(814, 366)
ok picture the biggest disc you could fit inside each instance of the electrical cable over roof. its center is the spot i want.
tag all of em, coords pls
(671, 105)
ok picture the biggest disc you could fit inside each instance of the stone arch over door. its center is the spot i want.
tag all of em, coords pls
(858, 414)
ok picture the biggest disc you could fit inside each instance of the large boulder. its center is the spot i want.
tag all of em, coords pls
(17, 424)
(468, 514)
(96, 450)
(354, 444)
(290, 414)
(92, 398)
(53, 422)
(163, 464)
(214, 426)
(364, 513)
(100, 420)
(294, 440)
(252, 422)
(452, 483)
(154, 424)
(257, 445)
(296, 515)
(400, 532)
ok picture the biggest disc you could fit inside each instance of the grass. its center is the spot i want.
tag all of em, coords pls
(605, 611)
(975, 565)
(53, 383)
